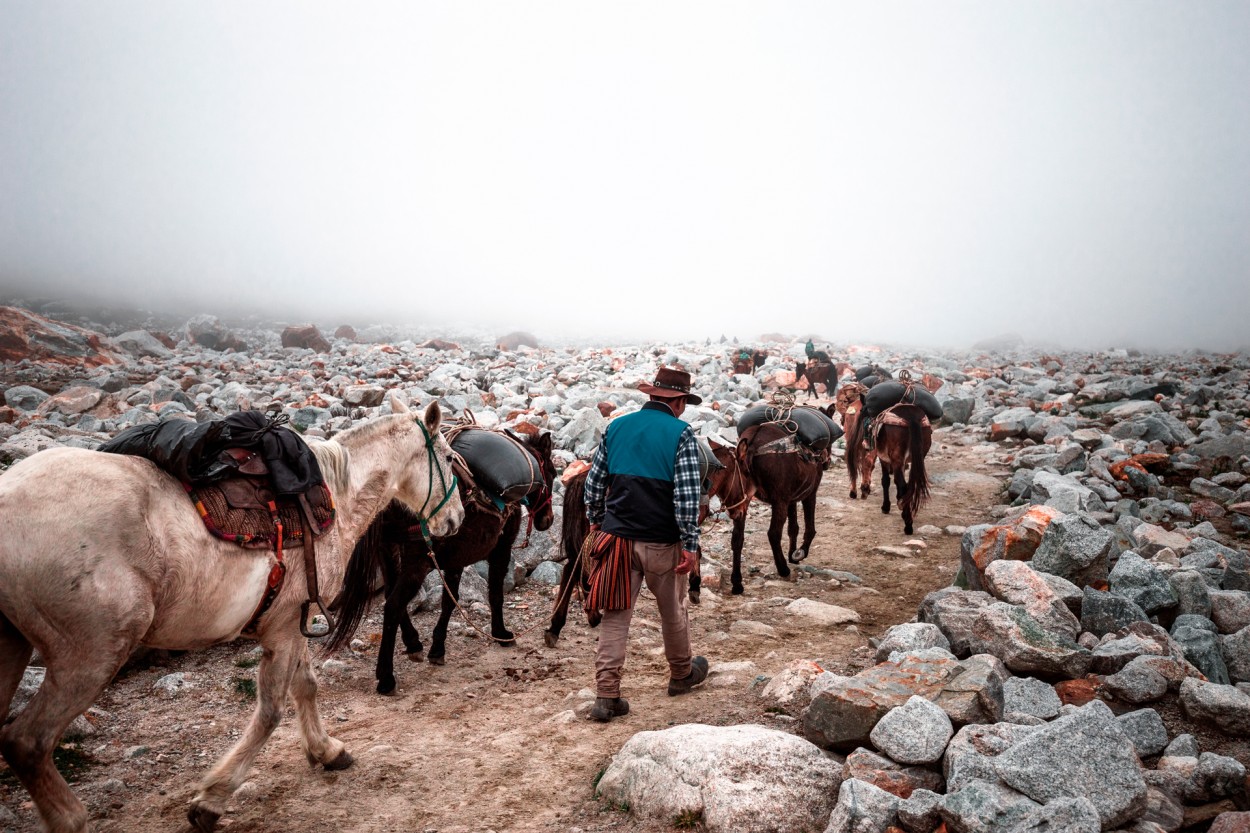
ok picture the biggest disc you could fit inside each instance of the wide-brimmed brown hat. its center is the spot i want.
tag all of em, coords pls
(671, 383)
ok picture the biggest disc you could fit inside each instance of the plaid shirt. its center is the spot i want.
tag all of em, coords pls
(687, 488)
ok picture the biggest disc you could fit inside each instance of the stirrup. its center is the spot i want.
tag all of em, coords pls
(305, 627)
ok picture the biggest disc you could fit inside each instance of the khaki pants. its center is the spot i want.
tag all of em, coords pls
(655, 563)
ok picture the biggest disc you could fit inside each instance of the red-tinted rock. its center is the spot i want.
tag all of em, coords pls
(890, 776)
(606, 408)
(75, 400)
(346, 332)
(25, 335)
(1015, 540)
(305, 336)
(7, 414)
(1231, 823)
(1077, 692)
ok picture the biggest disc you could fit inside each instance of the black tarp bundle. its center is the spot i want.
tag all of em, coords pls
(192, 451)
(888, 394)
(814, 428)
(500, 464)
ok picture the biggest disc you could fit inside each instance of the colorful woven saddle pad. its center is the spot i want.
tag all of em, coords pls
(245, 511)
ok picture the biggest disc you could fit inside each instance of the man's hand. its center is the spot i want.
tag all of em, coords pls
(688, 561)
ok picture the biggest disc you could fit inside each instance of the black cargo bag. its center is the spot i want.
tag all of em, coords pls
(888, 394)
(501, 465)
(814, 428)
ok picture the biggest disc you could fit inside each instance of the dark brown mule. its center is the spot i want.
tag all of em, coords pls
(394, 546)
(749, 363)
(574, 528)
(783, 474)
(849, 405)
(902, 435)
(817, 373)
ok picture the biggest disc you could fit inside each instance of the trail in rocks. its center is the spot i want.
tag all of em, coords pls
(491, 741)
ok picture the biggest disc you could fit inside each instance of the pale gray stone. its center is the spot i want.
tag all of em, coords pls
(915, 733)
(984, 806)
(862, 808)
(1030, 696)
(1223, 706)
(1145, 729)
(1066, 815)
(911, 636)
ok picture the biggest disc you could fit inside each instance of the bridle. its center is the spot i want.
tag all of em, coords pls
(423, 518)
(534, 509)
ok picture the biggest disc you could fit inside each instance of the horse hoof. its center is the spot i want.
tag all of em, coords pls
(853, 495)
(694, 597)
(550, 639)
(907, 530)
(416, 656)
(437, 660)
(738, 590)
(202, 819)
(797, 556)
(342, 761)
(885, 510)
(386, 689)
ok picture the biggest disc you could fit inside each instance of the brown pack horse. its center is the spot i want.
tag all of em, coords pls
(782, 474)
(575, 527)
(849, 405)
(902, 435)
(101, 553)
(405, 562)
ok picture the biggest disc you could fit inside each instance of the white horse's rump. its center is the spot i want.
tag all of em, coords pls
(102, 552)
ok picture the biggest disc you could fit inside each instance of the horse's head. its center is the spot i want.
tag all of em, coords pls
(729, 484)
(428, 486)
(540, 500)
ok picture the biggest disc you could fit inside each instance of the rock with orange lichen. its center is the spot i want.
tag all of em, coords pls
(1014, 540)
(26, 335)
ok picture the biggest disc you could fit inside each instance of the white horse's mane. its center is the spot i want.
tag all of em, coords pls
(335, 462)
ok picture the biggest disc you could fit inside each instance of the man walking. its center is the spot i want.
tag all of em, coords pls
(642, 497)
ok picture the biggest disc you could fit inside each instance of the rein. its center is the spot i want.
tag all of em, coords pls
(423, 519)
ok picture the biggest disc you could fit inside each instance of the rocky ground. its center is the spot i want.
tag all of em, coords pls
(1090, 508)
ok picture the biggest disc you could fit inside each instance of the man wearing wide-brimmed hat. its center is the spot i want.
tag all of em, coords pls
(642, 499)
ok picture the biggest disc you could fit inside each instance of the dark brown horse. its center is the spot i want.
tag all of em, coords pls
(748, 361)
(849, 404)
(783, 474)
(900, 435)
(394, 546)
(574, 528)
(817, 373)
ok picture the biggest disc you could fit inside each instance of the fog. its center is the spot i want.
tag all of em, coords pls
(926, 173)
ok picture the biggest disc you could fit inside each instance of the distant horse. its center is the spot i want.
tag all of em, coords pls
(746, 361)
(901, 435)
(575, 527)
(100, 553)
(817, 373)
(486, 534)
(783, 474)
(849, 404)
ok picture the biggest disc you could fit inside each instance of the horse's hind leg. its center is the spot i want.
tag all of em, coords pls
(885, 488)
(868, 458)
(279, 661)
(696, 578)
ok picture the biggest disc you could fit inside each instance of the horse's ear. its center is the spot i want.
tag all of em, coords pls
(433, 417)
(397, 404)
(544, 443)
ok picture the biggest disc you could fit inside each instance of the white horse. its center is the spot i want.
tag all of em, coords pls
(100, 553)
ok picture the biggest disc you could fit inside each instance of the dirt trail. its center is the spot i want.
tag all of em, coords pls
(488, 742)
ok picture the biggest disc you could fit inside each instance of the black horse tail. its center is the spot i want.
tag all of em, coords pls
(917, 480)
(574, 526)
(353, 600)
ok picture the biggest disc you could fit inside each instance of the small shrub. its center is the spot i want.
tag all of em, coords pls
(247, 662)
(245, 686)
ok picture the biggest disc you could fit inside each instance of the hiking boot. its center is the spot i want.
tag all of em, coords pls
(698, 673)
(606, 708)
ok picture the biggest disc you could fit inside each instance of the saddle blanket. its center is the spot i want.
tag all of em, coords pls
(245, 511)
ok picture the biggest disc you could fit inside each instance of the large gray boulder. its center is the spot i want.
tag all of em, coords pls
(862, 808)
(1029, 696)
(1083, 755)
(1024, 646)
(1077, 548)
(736, 778)
(1104, 613)
(971, 752)
(1197, 637)
(1145, 584)
(1223, 706)
(955, 612)
(985, 806)
(1236, 652)
(1017, 583)
(914, 733)
(911, 636)
(1064, 493)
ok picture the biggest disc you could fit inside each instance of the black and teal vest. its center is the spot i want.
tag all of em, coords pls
(642, 452)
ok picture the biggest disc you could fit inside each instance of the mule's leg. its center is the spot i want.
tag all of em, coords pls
(868, 459)
(809, 528)
(792, 529)
(778, 520)
(560, 615)
(283, 650)
(885, 488)
(394, 617)
(497, 561)
(735, 542)
(319, 747)
(438, 642)
(409, 586)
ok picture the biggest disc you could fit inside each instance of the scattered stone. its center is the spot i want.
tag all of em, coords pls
(1222, 706)
(910, 636)
(914, 733)
(1075, 547)
(1030, 696)
(821, 613)
(985, 806)
(863, 808)
(1145, 729)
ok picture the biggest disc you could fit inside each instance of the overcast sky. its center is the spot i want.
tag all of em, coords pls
(1075, 172)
